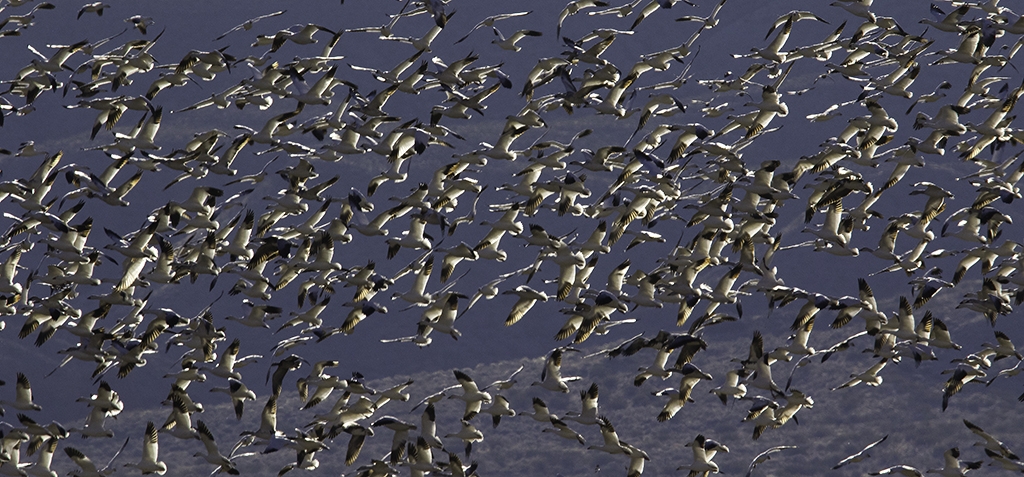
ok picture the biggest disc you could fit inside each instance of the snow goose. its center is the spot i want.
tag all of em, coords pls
(401, 436)
(860, 8)
(414, 238)
(989, 442)
(268, 427)
(428, 429)
(860, 455)
(510, 43)
(471, 395)
(86, 467)
(762, 376)
(611, 443)
(762, 415)
(952, 466)
(360, 311)
(213, 455)
(561, 429)
(540, 413)
(589, 415)
(900, 469)
(574, 7)
(711, 20)
(656, 369)
(105, 398)
(256, 318)
(149, 463)
(703, 451)
(41, 467)
(905, 325)
(947, 22)
(732, 386)
(654, 6)
(443, 319)
(677, 398)
(939, 336)
(551, 377)
(772, 52)
(527, 298)
(246, 25)
(239, 393)
(765, 456)
(1007, 463)
(498, 408)
(11, 465)
(468, 434)
(417, 294)
(869, 377)
(22, 396)
(1003, 348)
(961, 375)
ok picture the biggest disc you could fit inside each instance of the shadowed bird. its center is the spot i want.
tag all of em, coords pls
(86, 467)
(94, 7)
(510, 42)
(551, 378)
(860, 455)
(764, 456)
(213, 454)
(561, 429)
(248, 24)
(678, 397)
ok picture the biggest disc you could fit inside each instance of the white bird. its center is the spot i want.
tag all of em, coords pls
(469, 434)
(510, 43)
(561, 429)
(149, 464)
(869, 377)
(213, 455)
(762, 376)
(703, 451)
(900, 469)
(239, 393)
(860, 455)
(540, 413)
(22, 396)
(41, 468)
(611, 443)
(551, 378)
(989, 442)
(527, 298)
(248, 24)
(499, 407)
(471, 395)
(732, 386)
(86, 467)
(678, 397)
(489, 21)
(765, 456)
(94, 424)
(589, 414)
(952, 467)
(860, 8)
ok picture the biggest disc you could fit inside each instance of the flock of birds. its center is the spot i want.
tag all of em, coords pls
(612, 150)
